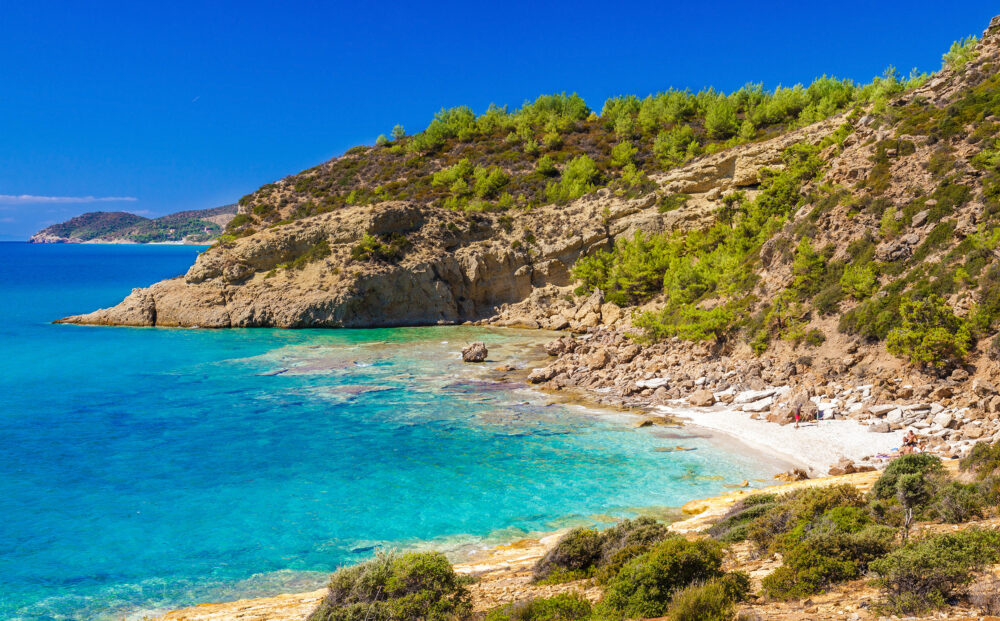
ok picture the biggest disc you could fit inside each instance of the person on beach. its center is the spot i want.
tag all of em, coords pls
(797, 416)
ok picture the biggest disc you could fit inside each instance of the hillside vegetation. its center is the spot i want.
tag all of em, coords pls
(196, 226)
(865, 212)
(554, 149)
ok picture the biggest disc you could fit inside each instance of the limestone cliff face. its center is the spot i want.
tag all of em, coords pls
(456, 266)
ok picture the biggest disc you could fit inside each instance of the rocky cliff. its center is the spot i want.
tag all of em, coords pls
(457, 266)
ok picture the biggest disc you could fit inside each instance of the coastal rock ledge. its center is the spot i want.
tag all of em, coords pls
(396, 263)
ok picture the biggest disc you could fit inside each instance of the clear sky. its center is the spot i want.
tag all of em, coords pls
(163, 106)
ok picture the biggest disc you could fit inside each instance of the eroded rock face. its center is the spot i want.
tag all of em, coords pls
(456, 267)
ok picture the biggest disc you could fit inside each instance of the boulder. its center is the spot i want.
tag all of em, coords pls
(559, 346)
(983, 388)
(750, 396)
(759, 406)
(597, 360)
(654, 383)
(879, 428)
(475, 352)
(782, 415)
(701, 398)
(959, 375)
(944, 420)
(542, 374)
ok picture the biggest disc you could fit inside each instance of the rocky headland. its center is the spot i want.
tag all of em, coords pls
(200, 226)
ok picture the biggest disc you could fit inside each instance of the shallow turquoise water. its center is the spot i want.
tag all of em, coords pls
(143, 469)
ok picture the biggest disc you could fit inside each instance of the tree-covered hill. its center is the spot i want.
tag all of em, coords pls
(197, 226)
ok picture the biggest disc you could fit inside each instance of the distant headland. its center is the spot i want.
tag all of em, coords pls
(199, 226)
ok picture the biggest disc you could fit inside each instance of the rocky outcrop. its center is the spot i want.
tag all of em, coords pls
(456, 266)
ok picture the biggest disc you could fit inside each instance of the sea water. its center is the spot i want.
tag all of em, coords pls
(144, 469)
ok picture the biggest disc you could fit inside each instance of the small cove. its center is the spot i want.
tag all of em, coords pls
(145, 469)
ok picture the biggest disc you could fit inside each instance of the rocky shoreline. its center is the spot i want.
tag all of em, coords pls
(504, 571)
(947, 414)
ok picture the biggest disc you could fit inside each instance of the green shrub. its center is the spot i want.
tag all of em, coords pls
(646, 584)
(574, 556)
(931, 334)
(734, 526)
(583, 552)
(623, 154)
(670, 202)
(957, 502)
(578, 178)
(833, 547)
(371, 248)
(714, 600)
(923, 574)
(317, 251)
(561, 607)
(918, 463)
(630, 273)
(983, 460)
(419, 586)
(860, 280)
(960, 53)
(807, 269)
(815, 337)
(720, 119)
(675, 146)
(547, 167)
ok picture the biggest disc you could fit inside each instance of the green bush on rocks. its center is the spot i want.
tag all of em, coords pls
(415, 586)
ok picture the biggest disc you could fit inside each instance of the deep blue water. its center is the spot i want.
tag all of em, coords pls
(143, 469)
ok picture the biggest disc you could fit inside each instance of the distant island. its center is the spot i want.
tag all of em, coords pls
(120, 227)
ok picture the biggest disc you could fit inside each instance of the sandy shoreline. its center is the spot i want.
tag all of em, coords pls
(815, 446)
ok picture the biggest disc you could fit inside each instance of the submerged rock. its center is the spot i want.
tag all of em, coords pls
(476, 352)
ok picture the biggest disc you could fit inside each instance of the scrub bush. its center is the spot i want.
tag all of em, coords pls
(834, 547)
(923, 574)
(983, 460)
(956, 502)
(371, 248)
(931, 334)
(419, 586)
(920, 463)
(735, 524)
(645, 585)
(562, 607)
(572, 558)
(578, 178)
(583, 551)
(714, 600)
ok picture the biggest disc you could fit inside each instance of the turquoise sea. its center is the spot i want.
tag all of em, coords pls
(146, 469)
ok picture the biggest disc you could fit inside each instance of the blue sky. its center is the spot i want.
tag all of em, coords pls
(187, 105)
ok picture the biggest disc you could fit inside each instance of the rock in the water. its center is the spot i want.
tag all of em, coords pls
(701, 398)
(475, 352)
